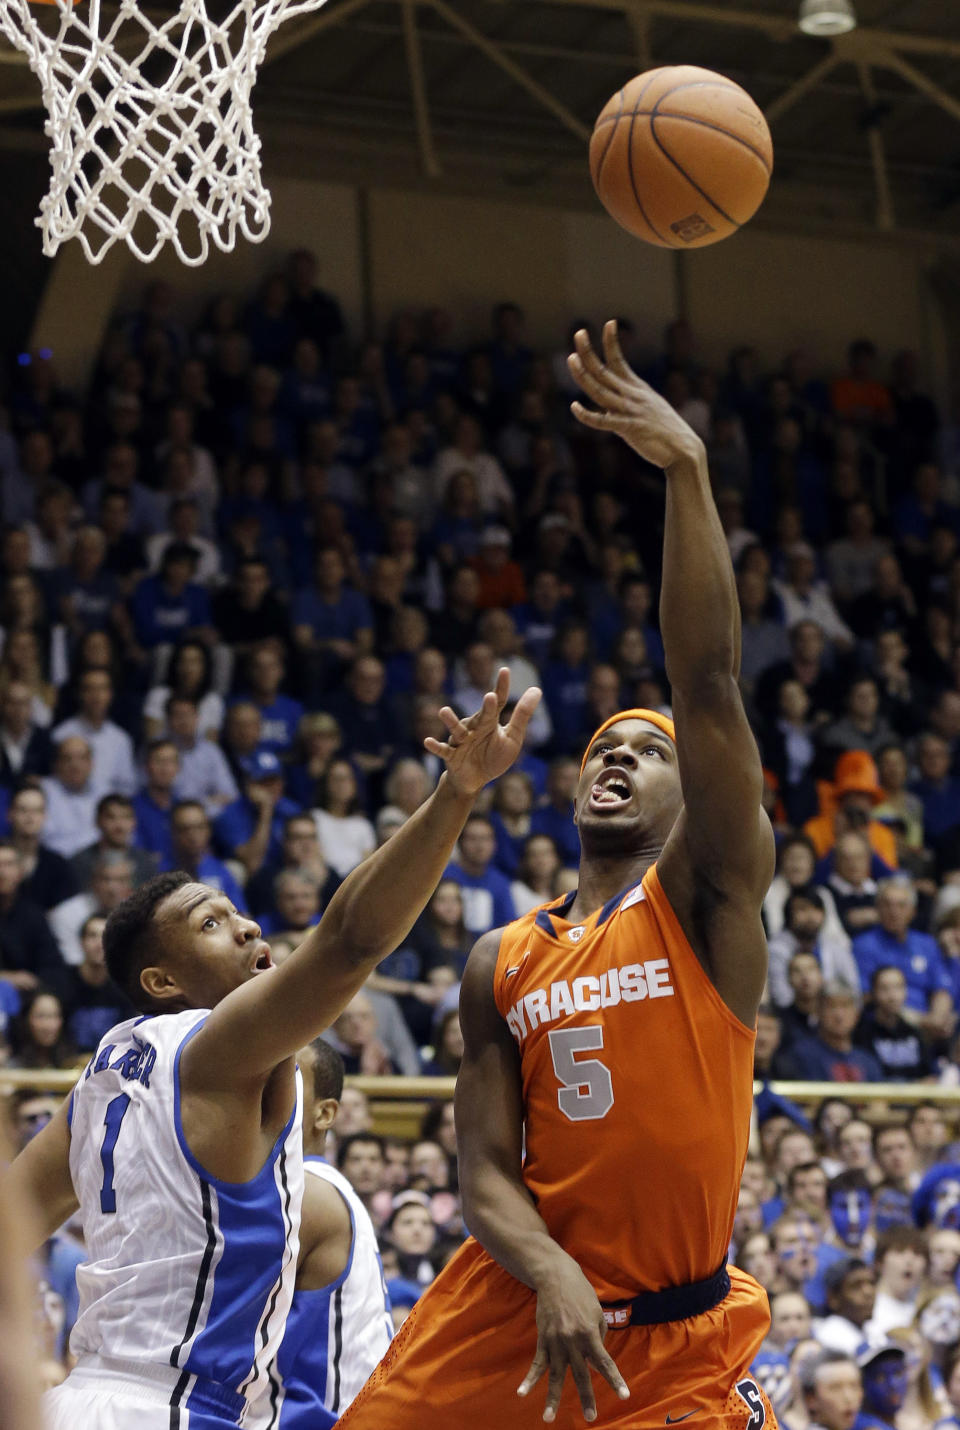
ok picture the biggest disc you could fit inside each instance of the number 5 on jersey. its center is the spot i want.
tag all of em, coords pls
(587, 1088)
(112, 1118)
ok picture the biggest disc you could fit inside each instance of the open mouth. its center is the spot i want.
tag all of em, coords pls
(611, 789)
(264, 961)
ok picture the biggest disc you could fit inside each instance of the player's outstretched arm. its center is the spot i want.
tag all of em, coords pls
(270, 1017)
(498, 1208)
(723, 841)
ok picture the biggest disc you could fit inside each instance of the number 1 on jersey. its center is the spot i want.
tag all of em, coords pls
(587, 1091)
(114, 1115)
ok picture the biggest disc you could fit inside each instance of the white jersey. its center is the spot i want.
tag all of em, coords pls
(188, 1277)
(338, 1334)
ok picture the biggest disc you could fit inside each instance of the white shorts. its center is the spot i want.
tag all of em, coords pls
(97, 1396)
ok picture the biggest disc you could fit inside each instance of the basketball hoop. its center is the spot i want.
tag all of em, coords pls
(150, 120)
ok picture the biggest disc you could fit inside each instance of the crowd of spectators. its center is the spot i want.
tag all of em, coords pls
(240, 576)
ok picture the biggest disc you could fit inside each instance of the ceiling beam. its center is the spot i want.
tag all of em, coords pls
(778, 27)
(641, 23)
(878, 154)
(516, 72)
(920, 81)
(801, 86)
(418, 86)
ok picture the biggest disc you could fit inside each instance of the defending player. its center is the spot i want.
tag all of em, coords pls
(339, 1325)
(181, 1142)
(615, 1028)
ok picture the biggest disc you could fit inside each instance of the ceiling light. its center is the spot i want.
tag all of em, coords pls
(827, 17)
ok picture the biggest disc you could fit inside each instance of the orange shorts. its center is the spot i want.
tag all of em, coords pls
(467, 1344)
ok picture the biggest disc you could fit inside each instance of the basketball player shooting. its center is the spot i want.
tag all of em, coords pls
(181, 1142)
(614, 1028)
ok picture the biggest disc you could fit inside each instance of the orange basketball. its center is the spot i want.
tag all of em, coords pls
(681, 157)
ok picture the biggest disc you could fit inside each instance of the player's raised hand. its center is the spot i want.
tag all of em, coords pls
(628, 405)
(479, 748)
(570, 1332)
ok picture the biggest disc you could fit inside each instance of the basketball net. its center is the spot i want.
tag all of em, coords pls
(150, 121)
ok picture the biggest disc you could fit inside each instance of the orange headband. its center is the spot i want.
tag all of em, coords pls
(662, 722)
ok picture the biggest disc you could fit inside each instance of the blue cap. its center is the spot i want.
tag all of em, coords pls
(262, 765)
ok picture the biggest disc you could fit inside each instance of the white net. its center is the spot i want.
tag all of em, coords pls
(150, 120)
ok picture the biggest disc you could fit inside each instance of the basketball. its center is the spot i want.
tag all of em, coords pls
(681, 157)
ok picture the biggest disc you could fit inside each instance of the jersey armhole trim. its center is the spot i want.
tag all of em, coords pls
(657, 896)
(193, 1161)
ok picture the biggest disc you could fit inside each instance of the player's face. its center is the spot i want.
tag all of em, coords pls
(629, 794)
(209, 949)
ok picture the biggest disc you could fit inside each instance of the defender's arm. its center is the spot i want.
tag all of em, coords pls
(266, 1020)
(19, 1396)
(39, 1180)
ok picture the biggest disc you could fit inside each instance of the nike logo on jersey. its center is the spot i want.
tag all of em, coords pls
(511, 971)
(675, 1419)
(630, 984)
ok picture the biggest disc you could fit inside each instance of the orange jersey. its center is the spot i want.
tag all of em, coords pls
(637, 1086)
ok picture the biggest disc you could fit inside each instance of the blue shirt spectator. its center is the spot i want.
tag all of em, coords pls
(830, 1055)
(894, 943)
(539, 619)
(937, 789)
(241, 820)
(565, 682)
(190, 828)
(279, 713)
(556, 818)
(817, 1061)
(85, 592)
(330, 615)
(487, 901)
(166, 606)
(153, 806)
(153, 826)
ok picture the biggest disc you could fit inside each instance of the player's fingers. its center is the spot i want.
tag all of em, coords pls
(436, 747)
(601, 421)
(559, 1360)
(488, 716)
(597, 385)
(581, 1379)
(613, 353)
(537, 1366)
(522, 712)
(585, 354)
(454, 724)
(502, 687)
(607, 1366)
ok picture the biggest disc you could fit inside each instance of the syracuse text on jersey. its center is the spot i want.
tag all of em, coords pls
(630, 983)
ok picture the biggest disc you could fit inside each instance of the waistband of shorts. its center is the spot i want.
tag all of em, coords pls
(674, 1303)
(161, 1385)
